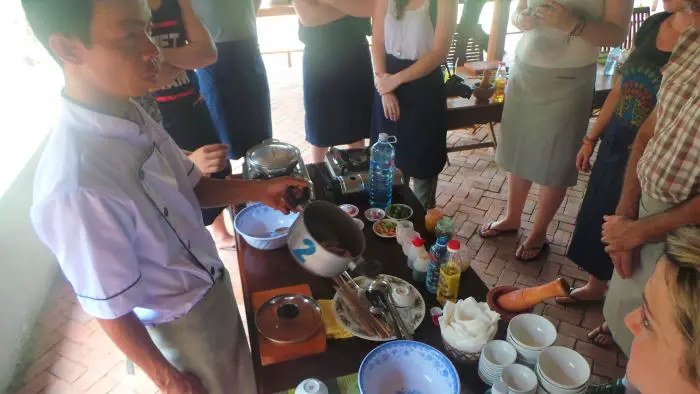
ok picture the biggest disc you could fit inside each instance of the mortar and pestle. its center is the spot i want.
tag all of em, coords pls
(510, 301)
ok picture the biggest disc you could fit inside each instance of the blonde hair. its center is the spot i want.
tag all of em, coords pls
(683, 251)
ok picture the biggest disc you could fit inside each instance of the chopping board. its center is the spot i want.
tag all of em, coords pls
(272, 353)
(477, 69)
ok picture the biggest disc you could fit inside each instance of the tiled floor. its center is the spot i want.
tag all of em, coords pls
(70, 354)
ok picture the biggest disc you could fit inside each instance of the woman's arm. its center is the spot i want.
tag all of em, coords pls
(313, 14)
(200, 50)
(446, 22)
(358, 8)
(378, 51)
(522, 18)
(608, 108)
(610, 31)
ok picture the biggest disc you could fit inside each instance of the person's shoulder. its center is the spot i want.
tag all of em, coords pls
(655, 19)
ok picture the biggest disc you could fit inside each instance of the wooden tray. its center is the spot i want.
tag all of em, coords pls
(272, 353)
(474, 69)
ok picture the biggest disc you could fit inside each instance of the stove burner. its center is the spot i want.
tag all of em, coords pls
(350, 160)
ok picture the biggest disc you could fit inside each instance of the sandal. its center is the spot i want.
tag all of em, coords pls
(572, 300)
(616, 387)
(601, 336)
(540, 251)
(490, 232)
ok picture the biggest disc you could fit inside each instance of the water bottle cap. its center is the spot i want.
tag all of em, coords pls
(383, 137)
(417, 241)
(442, 240)
(453, 244)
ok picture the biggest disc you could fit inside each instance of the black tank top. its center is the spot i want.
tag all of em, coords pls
(169, 32)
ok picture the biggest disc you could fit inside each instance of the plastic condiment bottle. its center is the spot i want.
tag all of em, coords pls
(416, 246)
(420, 265)
(431, 218)
(448, 287)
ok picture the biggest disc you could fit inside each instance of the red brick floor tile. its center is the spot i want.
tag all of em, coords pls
(75, 331)
(40, 365)
(598, 354)
(568, 315)
(67, 370)
(566, 341)
(102, 386)
(36, 384)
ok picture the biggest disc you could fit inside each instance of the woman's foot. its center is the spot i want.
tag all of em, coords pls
(498, 228)
(584, 294)
(532, 248)
(601, 336)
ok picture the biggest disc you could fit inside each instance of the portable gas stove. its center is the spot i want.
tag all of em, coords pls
(349, 168)
(272, 158)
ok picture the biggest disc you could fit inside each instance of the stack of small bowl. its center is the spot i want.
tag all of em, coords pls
(530, 334)
(561, 370)
(495, 357)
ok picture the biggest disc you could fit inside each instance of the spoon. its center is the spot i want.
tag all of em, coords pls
(381, 313)
(273, 233)
(383, 288)
(379, 307)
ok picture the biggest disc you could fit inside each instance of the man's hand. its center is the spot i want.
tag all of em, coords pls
(620, 233)
(583, 159)
(211, 158)
(391, 107)
(184, 383)
(625, 262)
(525, 21)
(386, 83)
(273, 192)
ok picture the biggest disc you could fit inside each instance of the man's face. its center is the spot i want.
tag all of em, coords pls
(122, 60)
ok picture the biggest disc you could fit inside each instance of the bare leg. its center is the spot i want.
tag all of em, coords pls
(222, 237)
(547, 205)
(318, 154)
(517, 196)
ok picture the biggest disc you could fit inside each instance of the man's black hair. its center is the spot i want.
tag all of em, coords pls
(70, 18)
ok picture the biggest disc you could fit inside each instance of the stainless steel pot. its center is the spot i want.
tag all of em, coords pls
(273, 158)
(320, 227)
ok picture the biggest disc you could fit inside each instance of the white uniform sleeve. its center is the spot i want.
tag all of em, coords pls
(174, 155)
(92, 237)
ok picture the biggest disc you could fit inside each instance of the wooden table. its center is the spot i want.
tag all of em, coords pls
(263, 270)
(463, 113)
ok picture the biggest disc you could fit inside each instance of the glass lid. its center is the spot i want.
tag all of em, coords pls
(288, 318)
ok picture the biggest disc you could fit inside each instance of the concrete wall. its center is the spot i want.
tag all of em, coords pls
(27, 271)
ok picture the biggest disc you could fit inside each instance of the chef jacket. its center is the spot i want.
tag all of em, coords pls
(114, 201)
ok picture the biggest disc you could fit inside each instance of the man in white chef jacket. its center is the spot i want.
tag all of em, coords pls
(119, 205)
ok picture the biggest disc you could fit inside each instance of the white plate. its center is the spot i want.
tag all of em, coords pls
(376, 224)
(346, 320)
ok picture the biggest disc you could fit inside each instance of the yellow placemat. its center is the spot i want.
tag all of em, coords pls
(333, 329)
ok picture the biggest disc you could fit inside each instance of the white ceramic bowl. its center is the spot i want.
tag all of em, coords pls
(519, 378)
(525, 356)
(257, 222)
(359, 223)
(407, 367)
(549, 388)
(532, 332)
(498, 354)
(564, 368)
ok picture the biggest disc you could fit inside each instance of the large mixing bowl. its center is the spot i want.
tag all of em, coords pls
(264, 227)
(325, 240)
(407, 367)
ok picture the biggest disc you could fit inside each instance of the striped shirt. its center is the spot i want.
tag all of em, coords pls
(669, 170)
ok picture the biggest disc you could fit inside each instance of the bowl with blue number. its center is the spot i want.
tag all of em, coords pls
(264, 227)
(407, 367)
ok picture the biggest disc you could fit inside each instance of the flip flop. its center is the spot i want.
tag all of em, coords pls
(540, 250)
(572, 300)
(494, 231)
(616, 387)
(601, 330)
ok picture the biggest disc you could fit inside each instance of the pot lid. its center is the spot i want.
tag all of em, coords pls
(272, 155)
(288, 318)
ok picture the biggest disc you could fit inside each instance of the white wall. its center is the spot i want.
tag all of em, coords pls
(27, 271)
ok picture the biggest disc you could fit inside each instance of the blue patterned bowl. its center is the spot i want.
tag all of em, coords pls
(407, 367)
(257, 224)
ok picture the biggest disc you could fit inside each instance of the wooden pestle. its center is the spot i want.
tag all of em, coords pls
(524, 299)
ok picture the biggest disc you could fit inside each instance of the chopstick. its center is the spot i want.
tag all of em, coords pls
(360, 311)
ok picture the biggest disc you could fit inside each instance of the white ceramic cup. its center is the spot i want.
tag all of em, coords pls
(519, 378)
(311, 386)
(402, 296)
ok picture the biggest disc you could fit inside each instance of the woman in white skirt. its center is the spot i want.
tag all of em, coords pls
(548, 104)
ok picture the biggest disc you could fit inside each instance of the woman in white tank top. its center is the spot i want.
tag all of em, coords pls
(410, 40)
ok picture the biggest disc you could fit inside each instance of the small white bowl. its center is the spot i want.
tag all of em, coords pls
(374, 214)
(350, 209)
(564, 368)
(402, 296)
(552, 389)
(498, 354)
(359, 223)
(532, 332)
(519, 378)
(525, 356)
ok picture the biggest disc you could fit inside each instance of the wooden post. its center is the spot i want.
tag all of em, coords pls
(499, 27)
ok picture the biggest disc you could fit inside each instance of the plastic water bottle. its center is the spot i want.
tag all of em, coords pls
(438, 257)
(611, 62)
(381, 172)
